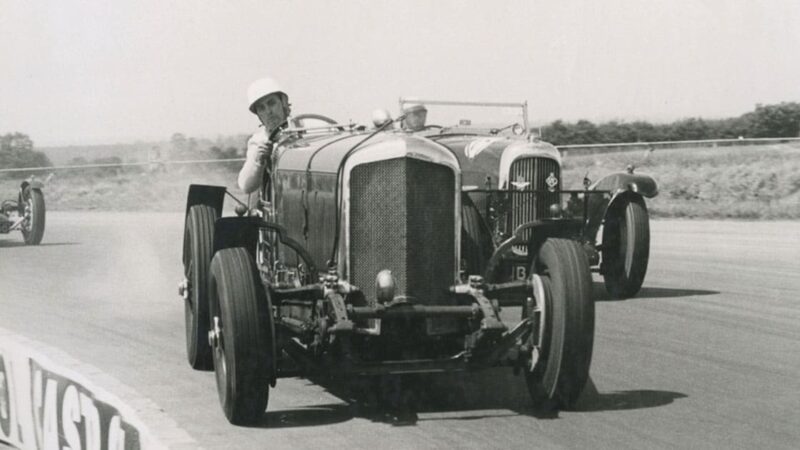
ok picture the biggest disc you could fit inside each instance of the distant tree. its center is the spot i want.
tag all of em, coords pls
(689, 129)
(614, 131)
(178, 141)
(557, 133)
(731, 128)
(78, 161)
(781, 120)
(113, 169)
(16, 151)
(107, 160)
(585, 132)
(228, 153)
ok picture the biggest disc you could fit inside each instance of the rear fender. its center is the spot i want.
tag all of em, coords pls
(622, 187)
(541, 231)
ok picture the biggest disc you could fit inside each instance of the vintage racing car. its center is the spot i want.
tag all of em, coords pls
(615, 233)
(25, 214)
(349, 263)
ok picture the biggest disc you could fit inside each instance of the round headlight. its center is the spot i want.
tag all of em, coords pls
(385, 286)
(380, 117)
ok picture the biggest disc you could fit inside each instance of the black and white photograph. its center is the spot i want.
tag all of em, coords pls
(399, 224)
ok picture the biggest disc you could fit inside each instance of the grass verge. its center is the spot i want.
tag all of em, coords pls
(748, 182)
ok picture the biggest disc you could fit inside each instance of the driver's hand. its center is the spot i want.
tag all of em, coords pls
(263, 152)
(259, 149)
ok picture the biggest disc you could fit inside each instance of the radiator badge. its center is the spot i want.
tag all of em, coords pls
(552, 182)
(520, 183)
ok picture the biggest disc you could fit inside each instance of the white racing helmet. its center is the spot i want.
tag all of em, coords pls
(413, 107)
(261, 88)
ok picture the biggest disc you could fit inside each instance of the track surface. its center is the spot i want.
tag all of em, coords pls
(706, 356)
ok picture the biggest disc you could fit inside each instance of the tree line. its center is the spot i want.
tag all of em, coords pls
(769, 121)
(16, 151)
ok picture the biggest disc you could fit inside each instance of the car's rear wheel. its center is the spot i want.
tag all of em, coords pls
(626, 248)
(562, 348)
(34, 210)
(241, 336)
(199, 240)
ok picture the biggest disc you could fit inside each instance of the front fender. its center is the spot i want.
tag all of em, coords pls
(230, 232)
(23, 187)
(200, 194)
(620, 186)
(541, 231)
(33, 184)
(618, 183)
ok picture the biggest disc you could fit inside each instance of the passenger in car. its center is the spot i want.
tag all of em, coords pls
(415, 116)
(270, 103)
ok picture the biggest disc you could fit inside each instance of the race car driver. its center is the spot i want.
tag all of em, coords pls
(270, 103)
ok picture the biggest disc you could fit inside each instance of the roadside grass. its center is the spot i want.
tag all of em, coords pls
(748, 182)
(129, 189)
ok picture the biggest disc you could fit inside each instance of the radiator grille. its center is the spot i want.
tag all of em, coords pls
(525, 208)
(402, 218)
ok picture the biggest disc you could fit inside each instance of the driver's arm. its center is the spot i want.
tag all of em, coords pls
(258, 155)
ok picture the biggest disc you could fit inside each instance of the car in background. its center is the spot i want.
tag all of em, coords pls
(512, 178)
(25, 214)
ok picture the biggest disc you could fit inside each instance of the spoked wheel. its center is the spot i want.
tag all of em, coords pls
(199, 239)
(242, 336)
(626, 248)
(562, 348)
(33, 225)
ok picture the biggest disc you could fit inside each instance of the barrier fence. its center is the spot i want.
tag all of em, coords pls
(582, 148)
(44, 405)
(149, 163)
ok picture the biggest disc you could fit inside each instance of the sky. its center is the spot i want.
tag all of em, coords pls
(103, 72)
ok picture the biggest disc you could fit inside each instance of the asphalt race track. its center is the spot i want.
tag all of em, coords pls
(706, 356)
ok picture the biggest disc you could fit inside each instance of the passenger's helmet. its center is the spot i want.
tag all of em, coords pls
(413, 107)
(261, 88)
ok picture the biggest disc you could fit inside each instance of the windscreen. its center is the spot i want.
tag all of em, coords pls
(475, 115)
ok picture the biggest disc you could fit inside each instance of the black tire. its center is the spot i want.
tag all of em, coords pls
(199, 241)
(626, 248)
(565, 350)
(33, 231)
(476, 240)
(243, 355)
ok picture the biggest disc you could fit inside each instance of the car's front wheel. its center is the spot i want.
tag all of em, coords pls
(33, 227)
(626, 248)
(561, 348)
(241, 336)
